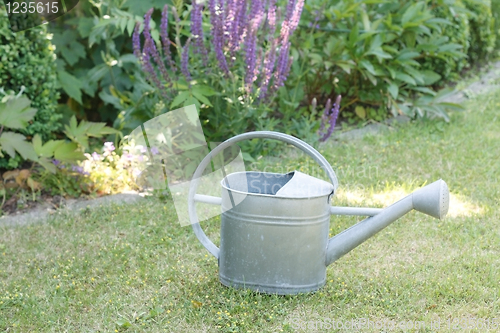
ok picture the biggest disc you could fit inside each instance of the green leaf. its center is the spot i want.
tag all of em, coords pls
(353, 36)
(405, 78)
(78, 134)
(46, 150)
(128, 58)
(409, 13)
(201, 98)
(16, 113)
(180, 98)
(368, 66)
(47, 164)
(131, 26)
(85, 25)
(71, 85)
(97, 73)
(393, 90)
(11, 142)
(68, 152)
(345, 66)
(99, 129)
(204, 90)
(360, 112)
(430, 77)
(407, 54)
(191, 100)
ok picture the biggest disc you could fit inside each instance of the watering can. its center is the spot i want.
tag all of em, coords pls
(275, 227)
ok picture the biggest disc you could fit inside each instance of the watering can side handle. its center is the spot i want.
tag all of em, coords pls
(192, 196)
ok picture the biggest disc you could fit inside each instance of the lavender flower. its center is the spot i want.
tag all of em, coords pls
(232, 26)
(270, 57)
(154, 151)
(329, 116)
(56, 162)
(242, 20)
(256, 13)
(144, 57)
(136, 42)
(218, 34)
(164, 37)
(197, 31)
(184, 61)
(151, 50)
(293, 12)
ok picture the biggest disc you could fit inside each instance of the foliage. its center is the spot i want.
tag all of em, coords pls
(368, 52)
(27, 60)
(60, 174)
(69, 180)
(457, 32)
(15, 113)
(245, 49)
(482, 30)
(100, 77)
(495, 12)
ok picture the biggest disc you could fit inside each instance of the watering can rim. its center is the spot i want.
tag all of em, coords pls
(320, 182)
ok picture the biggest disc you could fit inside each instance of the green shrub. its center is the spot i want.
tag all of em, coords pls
(495, 11)
(457, 32)
(369, 52)
(100, 78)
(27, 59)
(482, 30)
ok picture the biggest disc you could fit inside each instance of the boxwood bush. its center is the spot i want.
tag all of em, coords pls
(27, 59)
(457, 32)
(482, 29)
(495, 11)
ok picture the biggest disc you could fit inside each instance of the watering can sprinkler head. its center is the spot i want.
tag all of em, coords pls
(432, 199)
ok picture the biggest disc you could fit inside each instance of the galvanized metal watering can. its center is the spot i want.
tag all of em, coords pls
(274, 227)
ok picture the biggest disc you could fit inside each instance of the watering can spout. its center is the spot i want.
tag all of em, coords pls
(432, 200)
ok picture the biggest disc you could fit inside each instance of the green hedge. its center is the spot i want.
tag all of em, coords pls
(495, 11)
(27, 59)
(482, 29)
(457, 32)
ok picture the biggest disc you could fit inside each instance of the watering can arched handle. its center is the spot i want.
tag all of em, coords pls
(193, 216)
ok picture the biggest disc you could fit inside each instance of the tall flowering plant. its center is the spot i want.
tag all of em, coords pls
(230, 58)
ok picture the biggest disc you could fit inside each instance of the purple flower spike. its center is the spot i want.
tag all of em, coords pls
(329, 117)
(154, 151)
(151, 50)
(164, 37)
(218, 33)
(184, 61)
(197, 31)
(136, 42)
(56, 162)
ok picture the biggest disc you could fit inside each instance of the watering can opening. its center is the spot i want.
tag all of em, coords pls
(295, 184)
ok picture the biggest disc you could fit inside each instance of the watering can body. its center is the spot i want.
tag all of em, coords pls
(274, 240)
(275, 227)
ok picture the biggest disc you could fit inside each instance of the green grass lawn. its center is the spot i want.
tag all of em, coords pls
(134, 269)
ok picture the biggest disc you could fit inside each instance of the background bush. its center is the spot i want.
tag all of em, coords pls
(370, 52)
(482, 30)
(495, 11)
(457, 32)
(96, 68)
(27, 59)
